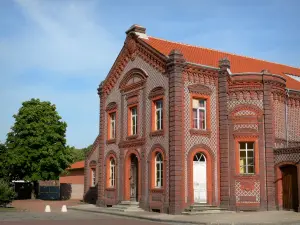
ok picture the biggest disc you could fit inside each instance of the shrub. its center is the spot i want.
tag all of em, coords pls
(7, 194)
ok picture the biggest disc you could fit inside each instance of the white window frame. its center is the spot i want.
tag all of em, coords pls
(198, 114)
(247, 158)
(160, 112)
(112, 125)
(159, 163)
(112, 172)
(134, 117)
(93, 177)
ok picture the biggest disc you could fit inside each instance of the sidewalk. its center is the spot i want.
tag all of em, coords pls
(232, 218)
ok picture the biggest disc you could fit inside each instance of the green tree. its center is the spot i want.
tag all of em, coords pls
(36, 145)
(3, 162)
(7, 193)
(80, 154)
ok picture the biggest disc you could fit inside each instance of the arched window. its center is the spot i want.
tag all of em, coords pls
(112, 172)
(158, 170)
(199, 157)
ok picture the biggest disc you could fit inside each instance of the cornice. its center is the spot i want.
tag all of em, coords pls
(132, 143)
(199, 89)
(198, 74)
(291, 150)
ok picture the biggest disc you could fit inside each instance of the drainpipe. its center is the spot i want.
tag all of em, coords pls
(286, 118)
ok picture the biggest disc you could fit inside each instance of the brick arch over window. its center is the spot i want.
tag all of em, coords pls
(157, 91)
(111, 106)
(92, 163)
(157, 148)
(127, 174)
(246, 107)
(110, 155)
(133, 79)
(210, 168)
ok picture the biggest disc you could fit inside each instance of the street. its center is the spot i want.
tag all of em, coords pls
(68, 218)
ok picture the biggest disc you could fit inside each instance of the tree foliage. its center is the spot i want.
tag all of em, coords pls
(7, 194)
(80, 154)
(36, 145)
(4, 174)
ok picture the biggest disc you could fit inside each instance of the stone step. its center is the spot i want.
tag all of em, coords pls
(206, 212)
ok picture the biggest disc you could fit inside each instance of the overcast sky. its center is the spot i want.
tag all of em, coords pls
(60, 50)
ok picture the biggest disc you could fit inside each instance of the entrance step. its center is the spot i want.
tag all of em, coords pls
(199, 208)
(126, 206)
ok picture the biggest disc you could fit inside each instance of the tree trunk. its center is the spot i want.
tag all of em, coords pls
(33, 190)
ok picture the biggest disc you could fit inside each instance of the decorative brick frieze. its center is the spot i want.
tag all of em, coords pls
(199, 89)
(132, 142)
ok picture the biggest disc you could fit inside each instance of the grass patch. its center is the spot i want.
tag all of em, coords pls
(8, 209)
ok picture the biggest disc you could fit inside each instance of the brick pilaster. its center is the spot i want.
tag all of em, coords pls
(101, 181)
(269, 143)
(175, 66)
(224, 64)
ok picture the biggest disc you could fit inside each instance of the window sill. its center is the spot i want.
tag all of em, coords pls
(132, 137)
(111, 141)
(197, 132)
(157, 190)
(157, 133)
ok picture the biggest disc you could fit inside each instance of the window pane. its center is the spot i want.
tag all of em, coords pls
(250, 153)
(242, 154)
(250, 169)
(250, 161)
(242, 162)
(242, 145)
(242, 169)
(195, 103)
(250, 145)
(201, 103)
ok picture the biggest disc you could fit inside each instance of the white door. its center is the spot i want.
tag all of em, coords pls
(199, 176)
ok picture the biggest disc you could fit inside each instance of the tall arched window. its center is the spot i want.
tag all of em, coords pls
(112, 172)
(158, 170)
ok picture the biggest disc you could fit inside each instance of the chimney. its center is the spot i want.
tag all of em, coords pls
(138, 30)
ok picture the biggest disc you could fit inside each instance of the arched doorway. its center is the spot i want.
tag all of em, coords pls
(199, 178)
(133, 178)
(290, 199)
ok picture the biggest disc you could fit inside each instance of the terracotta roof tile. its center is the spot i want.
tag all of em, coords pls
(239, 64)
(77, 165)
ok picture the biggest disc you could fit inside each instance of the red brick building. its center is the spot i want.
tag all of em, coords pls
(72, 182)
(181, 124)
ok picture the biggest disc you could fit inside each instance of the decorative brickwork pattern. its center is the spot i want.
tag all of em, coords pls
(279, 118)
(235, 102)
(191, 140)
(294, 122)
(287, 155)
(242, 190)
(155, 79)
(247, 126)
(245, 113)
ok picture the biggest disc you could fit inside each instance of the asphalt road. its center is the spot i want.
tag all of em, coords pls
(68, 218)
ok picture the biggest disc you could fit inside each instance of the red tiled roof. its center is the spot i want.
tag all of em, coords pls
(239, 64)
(77, 165)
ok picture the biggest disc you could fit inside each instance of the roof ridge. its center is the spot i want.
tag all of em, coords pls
(196, 46)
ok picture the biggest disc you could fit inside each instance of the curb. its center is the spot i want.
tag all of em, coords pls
(144, 217)
(178, 221)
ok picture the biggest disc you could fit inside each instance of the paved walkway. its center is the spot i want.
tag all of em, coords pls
(37, 205)
(232, 218)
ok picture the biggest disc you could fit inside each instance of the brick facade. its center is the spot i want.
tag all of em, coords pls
(253, 107)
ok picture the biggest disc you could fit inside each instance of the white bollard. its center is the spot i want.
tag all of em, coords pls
(47, 209)
(64, 208)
